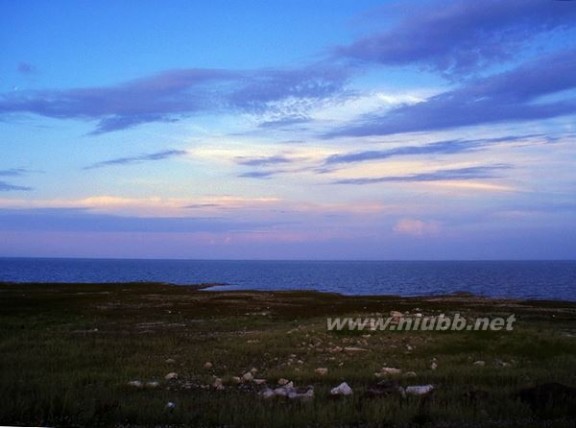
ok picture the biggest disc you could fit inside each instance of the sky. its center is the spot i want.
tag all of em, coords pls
(292, 129)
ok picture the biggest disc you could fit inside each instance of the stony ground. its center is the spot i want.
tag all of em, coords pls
(160, 355)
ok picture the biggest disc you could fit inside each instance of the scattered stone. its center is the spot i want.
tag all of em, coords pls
(410, 375)
(390, 371)
(304, 394)
(354, 349)
(480, 363)
(321, 371)
(433, 365)
(335, 349)
(135, 384)
(170, 405)
(217, 384)
(419, 389)
(152, 385)
(283, 381)
(171, 376)
(259, 381)
(170, 361)
(341, 390)
(236, 379)
(208, 365)
(267, 393)
(282, 391)
(253, 370)
(248, 376)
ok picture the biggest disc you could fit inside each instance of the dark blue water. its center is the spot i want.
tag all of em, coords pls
(520, 279)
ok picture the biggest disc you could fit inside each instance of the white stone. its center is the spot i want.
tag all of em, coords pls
(248, 376)
(321, 371)
(390, 371)
(342, 389)
(135, 384)
(419, 389)
(171, 376)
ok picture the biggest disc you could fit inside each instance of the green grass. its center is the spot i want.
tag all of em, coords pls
(67, 353)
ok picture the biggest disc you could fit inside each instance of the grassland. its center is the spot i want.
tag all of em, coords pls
(69, 352)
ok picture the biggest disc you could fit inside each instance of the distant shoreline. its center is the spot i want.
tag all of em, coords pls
(457, 296)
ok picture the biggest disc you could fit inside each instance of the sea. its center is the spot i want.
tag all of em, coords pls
(545, 280)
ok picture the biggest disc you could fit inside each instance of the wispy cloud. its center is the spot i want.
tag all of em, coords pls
(170, 95)
(460, 36)
(263, 161)
(7, 187)
(447, 147)
(13, 172)
(469, 173)
(513, 96)
(166, 154)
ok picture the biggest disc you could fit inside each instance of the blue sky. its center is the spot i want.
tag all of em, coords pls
(349, 129)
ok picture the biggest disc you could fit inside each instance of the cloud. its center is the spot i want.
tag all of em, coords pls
(447, 147)
(7, 187)
(512, 96)
(166, 154)
(461, 36)
(26, 68)
(413, 227)
(263, 161)
(13, 172)
(170, 95)
(469, 173)
(79, 220)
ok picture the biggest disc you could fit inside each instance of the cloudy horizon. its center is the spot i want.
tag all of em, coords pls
(373, 130)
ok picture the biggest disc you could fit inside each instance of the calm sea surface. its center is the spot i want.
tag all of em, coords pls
(523, 279)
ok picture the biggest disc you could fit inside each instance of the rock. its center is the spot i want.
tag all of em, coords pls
(283, 381)
(433, 365)
(354, 349)
(248, 376)
(236, 379)
(282, 391)
(217, 384)
(170, 361)
(390, 371)
(342, 389)
(321, 371)
(208, 365)
(170, 405)
(419, 389)
(480, 363)
(304, 394)
(171, 376)
(259, 381)
(267, 393)
(152, 385)
(410, 375)
(135, 384)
